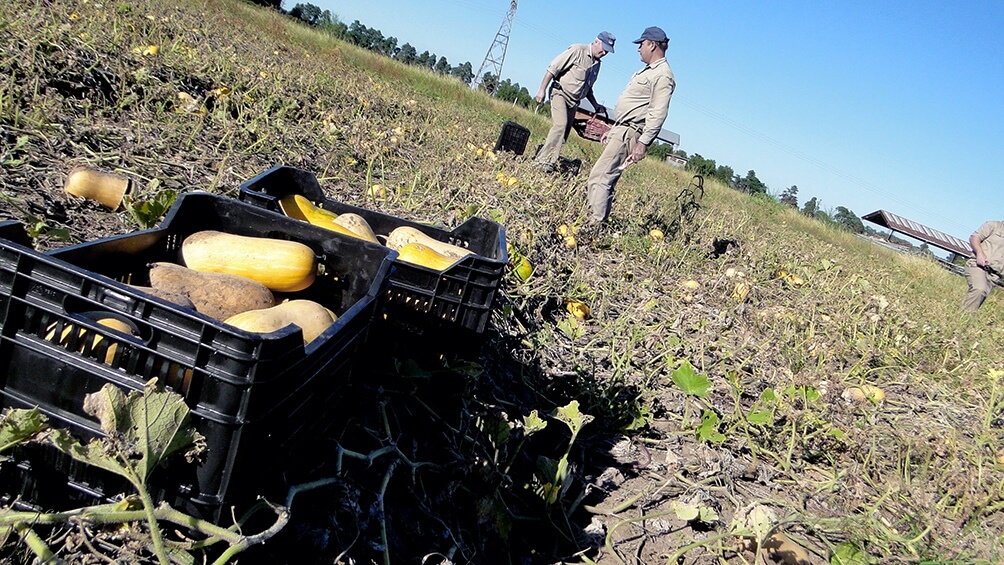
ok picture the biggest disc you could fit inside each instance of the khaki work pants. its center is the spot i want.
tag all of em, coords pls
(605, 173)
(562, 112)
(980, 284)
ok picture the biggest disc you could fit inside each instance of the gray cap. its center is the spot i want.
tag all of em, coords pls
(607, 40)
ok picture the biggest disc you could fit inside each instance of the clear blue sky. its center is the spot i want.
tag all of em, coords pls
(895, 105)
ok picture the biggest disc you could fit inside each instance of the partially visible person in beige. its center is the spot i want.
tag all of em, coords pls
(571, 76)
(985, 270)
(639, 115)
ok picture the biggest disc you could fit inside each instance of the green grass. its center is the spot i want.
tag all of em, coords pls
(914, 477)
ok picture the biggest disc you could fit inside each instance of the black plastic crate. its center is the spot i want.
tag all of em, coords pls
(14, 231)
(255, 397)
(420, 299)
(513, 137)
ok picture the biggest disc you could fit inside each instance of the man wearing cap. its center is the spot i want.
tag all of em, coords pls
(639, 115)
(571, 76)
(983, 271)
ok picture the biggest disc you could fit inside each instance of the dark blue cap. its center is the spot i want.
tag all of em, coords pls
(653, 33)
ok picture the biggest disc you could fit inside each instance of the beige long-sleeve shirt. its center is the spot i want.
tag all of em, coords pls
(991, 238)
(576, 70)
(644, 104)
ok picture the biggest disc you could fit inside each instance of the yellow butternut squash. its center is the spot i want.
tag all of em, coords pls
(425, 256)
(103, 188)
(311, 317)
(297, 206)
(177, 376)
(357, 225)
(403, 235)
(282, 266)
(82, 335)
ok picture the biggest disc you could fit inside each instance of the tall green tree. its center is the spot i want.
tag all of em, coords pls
(723, 173)
(331, 24)
(513, 92)
(442, 66)
(386, 46)
(357, 33)
(659, 150)
(811, 207)
(701, 166)
(489, 83)
(308, 13)
(274, 4)
(790, 197)
(848, 220)
(750, 184)
(407, 54)
(463, 72)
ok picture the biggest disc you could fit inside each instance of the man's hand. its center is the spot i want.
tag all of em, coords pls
(981, 260)
(539, 97)
(637, 152)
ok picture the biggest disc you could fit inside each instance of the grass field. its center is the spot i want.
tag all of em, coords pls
(720, 416)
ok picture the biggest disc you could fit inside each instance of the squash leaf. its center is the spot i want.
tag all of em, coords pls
(533, 423)
(18, 426)
(848, 553)
(690, 381)
(692, 510)
(685, 511)
(548, 486)
(141, 430)
(570, 415)
(760, 417)
(708, 430)
(148, 212)
(708, 515)
(807, 393)
(758, 520)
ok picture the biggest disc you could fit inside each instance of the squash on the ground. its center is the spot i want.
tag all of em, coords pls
(217, 295)
(403, 235)
(282, 266)
(100, 187)
(311, 317)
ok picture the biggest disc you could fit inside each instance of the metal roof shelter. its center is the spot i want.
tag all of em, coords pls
(911, 228)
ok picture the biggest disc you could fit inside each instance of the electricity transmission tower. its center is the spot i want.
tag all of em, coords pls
(496, 54)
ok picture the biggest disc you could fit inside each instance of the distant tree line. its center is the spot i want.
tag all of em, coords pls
(274, 4)
(373, 40)
(840, 216)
